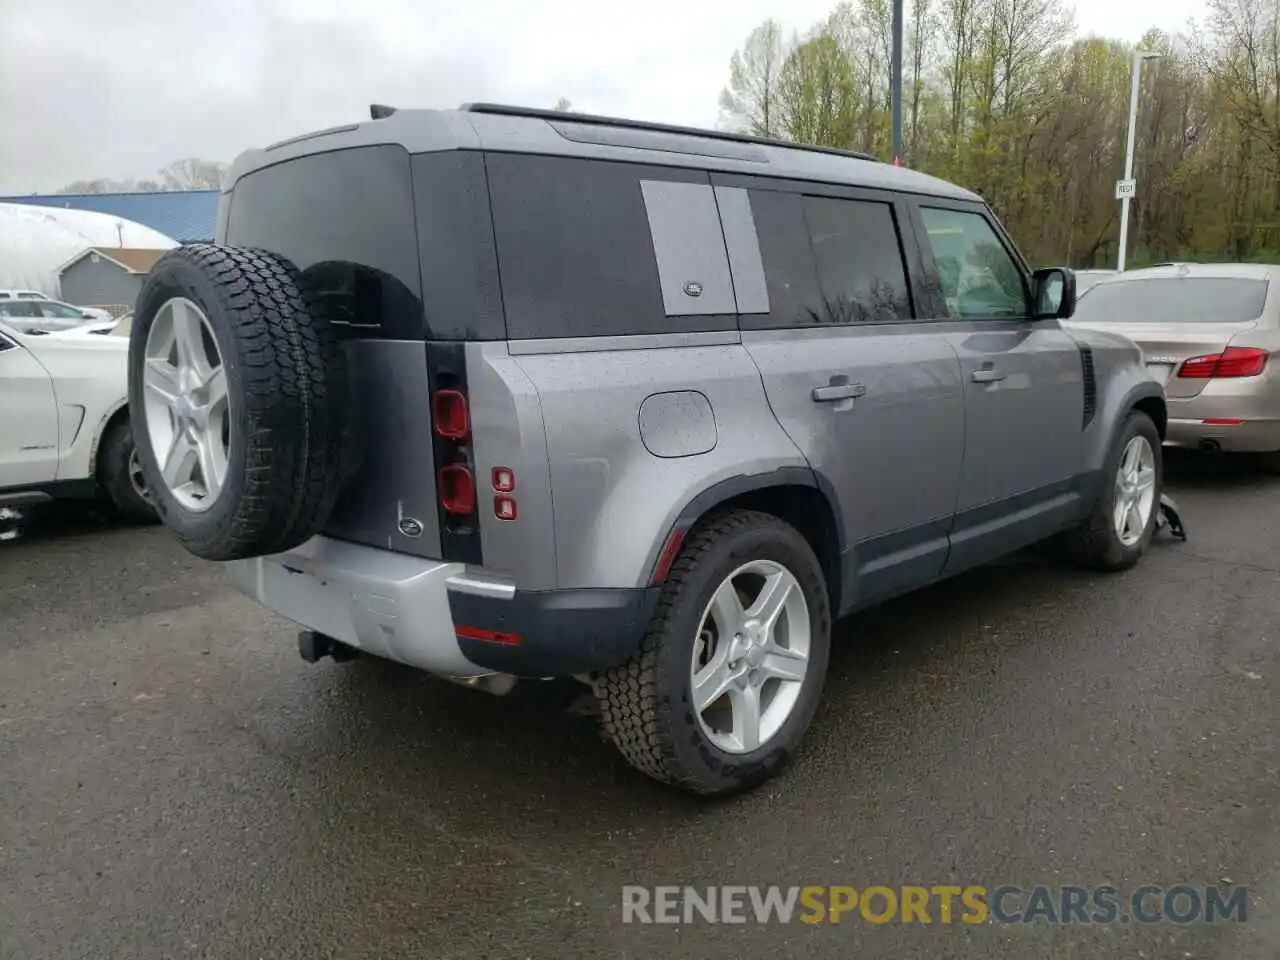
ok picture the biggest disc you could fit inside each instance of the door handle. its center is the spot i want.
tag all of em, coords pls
(987, 375)
(838, 391)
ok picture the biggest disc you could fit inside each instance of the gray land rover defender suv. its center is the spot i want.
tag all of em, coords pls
(504, 393)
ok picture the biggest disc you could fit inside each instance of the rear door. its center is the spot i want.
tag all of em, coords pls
(1023, 388)
(29, 418)
(345, 219)
(872, 397)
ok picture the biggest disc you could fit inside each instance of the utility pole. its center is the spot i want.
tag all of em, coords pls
(895, 83)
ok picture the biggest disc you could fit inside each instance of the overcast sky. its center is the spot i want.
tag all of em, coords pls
(118, 89)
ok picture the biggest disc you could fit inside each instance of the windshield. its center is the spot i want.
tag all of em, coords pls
(1174, 300)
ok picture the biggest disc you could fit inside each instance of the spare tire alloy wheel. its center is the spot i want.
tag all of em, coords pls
(239, 402)
(186, 404)
(750, 656)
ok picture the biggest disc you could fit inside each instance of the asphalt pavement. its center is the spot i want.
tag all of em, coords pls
(175, 782)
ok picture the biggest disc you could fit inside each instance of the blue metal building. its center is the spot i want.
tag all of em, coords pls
(188, 216)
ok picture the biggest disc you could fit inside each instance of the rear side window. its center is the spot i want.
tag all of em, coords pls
(1174, 300)
(595, 248)
(828, 261)
(859, 260)
(346, 220)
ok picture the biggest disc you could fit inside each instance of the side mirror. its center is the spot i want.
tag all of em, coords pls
(1055, 293)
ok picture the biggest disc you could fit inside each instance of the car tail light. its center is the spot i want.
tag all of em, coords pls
(457, 490)
(450, 414)
(503, 479)
(504, 507)
(1231, 362)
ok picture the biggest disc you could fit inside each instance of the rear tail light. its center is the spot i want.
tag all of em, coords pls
(449, 411)
(504, 507)
(457, 490)
(1232, 362)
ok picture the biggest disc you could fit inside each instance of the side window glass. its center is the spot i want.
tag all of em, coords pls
(859, 261)
(979, 277)
(791, 277)
(19, 308)
(598, 248)
(58, 311)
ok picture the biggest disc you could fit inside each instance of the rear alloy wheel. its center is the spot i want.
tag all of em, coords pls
(239, 402)
(728, 677)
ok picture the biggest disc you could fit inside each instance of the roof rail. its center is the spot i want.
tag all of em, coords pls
(589, 118)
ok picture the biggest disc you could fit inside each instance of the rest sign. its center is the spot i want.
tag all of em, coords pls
(1126, 189)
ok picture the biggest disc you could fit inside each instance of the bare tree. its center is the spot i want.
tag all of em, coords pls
(750, 101)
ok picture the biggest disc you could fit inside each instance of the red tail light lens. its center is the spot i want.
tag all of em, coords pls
(450, 414)
(504, 479)
(504, 508)
(1232, 362)
(457, 489)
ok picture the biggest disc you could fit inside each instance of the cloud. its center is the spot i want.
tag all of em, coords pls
(119, 89)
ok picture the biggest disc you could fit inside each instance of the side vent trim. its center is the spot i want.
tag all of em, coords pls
(1090, 385)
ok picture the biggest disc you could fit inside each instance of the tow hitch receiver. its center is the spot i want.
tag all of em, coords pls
(313, 646)
(1170, 518)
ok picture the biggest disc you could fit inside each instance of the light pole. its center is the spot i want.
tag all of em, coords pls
(895, 83)
(1126, 188)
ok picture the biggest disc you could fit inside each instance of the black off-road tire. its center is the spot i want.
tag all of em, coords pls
(645, 703)
(1095, 544)
(289, 395)
(114, 454)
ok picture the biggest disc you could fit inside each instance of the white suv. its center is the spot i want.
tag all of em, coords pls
(65, 428)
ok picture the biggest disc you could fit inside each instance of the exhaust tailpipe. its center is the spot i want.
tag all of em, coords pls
(1209, 446)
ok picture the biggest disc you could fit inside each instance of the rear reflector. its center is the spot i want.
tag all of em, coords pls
(1232, 362)
(668, 556)
(488, 636)
(503, 479)
(1222, 422)
(457, 490)
(450, 414)
(504, 508)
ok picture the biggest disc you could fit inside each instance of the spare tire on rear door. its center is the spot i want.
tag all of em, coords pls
(239, 402)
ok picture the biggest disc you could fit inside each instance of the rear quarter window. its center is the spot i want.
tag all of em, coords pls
(597, 248)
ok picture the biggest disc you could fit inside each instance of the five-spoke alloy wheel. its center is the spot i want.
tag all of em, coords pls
(728, 677)
(186, 404)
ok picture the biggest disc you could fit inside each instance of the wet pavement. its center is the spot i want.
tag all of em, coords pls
(176, 782)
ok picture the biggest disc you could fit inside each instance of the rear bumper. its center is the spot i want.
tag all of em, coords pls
(1249, 436)
(442, 617)
(1255, 402)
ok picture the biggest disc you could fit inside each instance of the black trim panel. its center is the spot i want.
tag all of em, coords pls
(53, 490)
(447, 369)
(726, 490)
(561, 632)
(895, 563)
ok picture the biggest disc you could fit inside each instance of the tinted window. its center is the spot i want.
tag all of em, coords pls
(1173, 300)
(828, 261)
(790, 274)
(979, 277)
(576, 250)
(461, 295)
(859, 261)
(345, 219)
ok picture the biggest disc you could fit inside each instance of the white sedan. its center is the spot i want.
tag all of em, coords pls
(65, 432)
